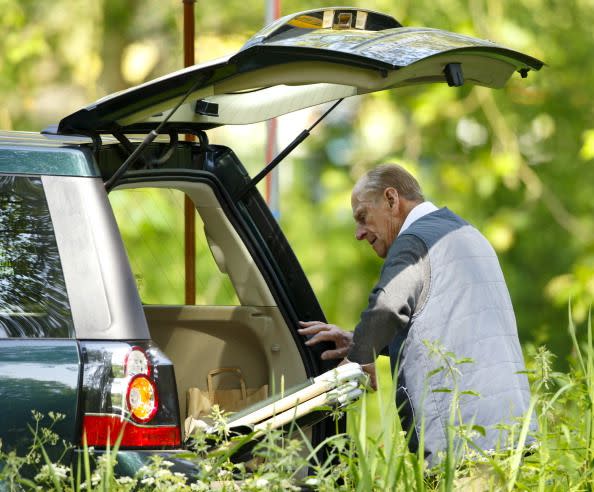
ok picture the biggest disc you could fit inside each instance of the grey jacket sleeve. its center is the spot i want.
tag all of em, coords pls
(400, 291)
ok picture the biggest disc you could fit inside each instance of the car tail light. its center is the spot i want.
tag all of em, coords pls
(129, 391)
(142, 398)
(101, 430)
(137, 362)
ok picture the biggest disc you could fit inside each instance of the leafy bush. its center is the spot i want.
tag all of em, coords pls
(562, 402)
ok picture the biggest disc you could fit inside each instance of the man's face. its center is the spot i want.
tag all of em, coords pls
(377, 221)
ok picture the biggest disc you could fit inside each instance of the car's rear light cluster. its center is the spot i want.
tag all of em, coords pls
(129, 393)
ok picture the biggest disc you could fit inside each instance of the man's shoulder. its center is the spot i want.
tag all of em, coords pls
(408, 246)
(442, 218)
(443, 214)
(408, 241)
(435, 225)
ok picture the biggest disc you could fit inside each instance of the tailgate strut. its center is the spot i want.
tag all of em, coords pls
(136, 154)
(282, 154)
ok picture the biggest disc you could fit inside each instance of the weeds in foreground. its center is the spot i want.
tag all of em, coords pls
(358, 460)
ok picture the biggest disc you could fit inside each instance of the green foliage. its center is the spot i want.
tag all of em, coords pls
(16, 470)
(559, 459)
(515, 162)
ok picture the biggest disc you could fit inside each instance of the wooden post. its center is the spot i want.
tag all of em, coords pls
(189, 208)
(271, 190)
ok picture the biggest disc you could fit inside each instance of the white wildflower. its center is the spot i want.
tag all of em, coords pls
(287, 485)
(95, 479)
(125, 480)
(43, 474)
(163, 474)
(261, 482)
(61, 471)
(48, 471)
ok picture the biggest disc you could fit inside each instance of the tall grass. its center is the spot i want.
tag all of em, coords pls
(562, 458)
(372, 455)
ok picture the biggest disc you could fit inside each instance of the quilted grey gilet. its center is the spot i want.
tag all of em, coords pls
(468, 314)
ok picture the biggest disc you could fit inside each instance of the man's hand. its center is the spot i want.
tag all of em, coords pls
(369, 369)
(323, 332)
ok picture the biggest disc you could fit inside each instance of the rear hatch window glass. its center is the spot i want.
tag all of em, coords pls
(151, 221)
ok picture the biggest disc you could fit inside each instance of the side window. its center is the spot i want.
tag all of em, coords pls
(33, 297)
(151, 222)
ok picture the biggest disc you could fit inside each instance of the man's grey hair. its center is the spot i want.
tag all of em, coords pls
(395, 176)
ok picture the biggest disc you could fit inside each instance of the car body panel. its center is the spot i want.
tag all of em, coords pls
(104, 300)
(40, 375)
(312, 65)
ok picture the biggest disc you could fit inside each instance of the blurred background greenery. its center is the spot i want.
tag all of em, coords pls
(517, 162)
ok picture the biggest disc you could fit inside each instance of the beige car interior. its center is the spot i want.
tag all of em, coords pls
(229, 355)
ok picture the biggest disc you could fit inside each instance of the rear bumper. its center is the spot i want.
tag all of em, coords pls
(129, 462)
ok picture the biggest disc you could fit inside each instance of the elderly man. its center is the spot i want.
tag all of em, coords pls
(440, 292)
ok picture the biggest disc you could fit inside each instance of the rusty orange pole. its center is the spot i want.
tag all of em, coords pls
(189, 208)
(271, 190)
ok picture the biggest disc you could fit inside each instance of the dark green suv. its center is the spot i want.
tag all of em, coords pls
(75, 335)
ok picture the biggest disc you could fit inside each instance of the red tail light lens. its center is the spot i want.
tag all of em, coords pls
(103, 430)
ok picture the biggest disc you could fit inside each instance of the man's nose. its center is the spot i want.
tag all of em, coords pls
(360, 233)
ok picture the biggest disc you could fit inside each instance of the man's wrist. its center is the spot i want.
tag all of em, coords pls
(362, 354)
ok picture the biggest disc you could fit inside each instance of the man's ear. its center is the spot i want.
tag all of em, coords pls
(391, 195)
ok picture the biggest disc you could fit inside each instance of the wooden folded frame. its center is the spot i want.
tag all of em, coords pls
(330, 390)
